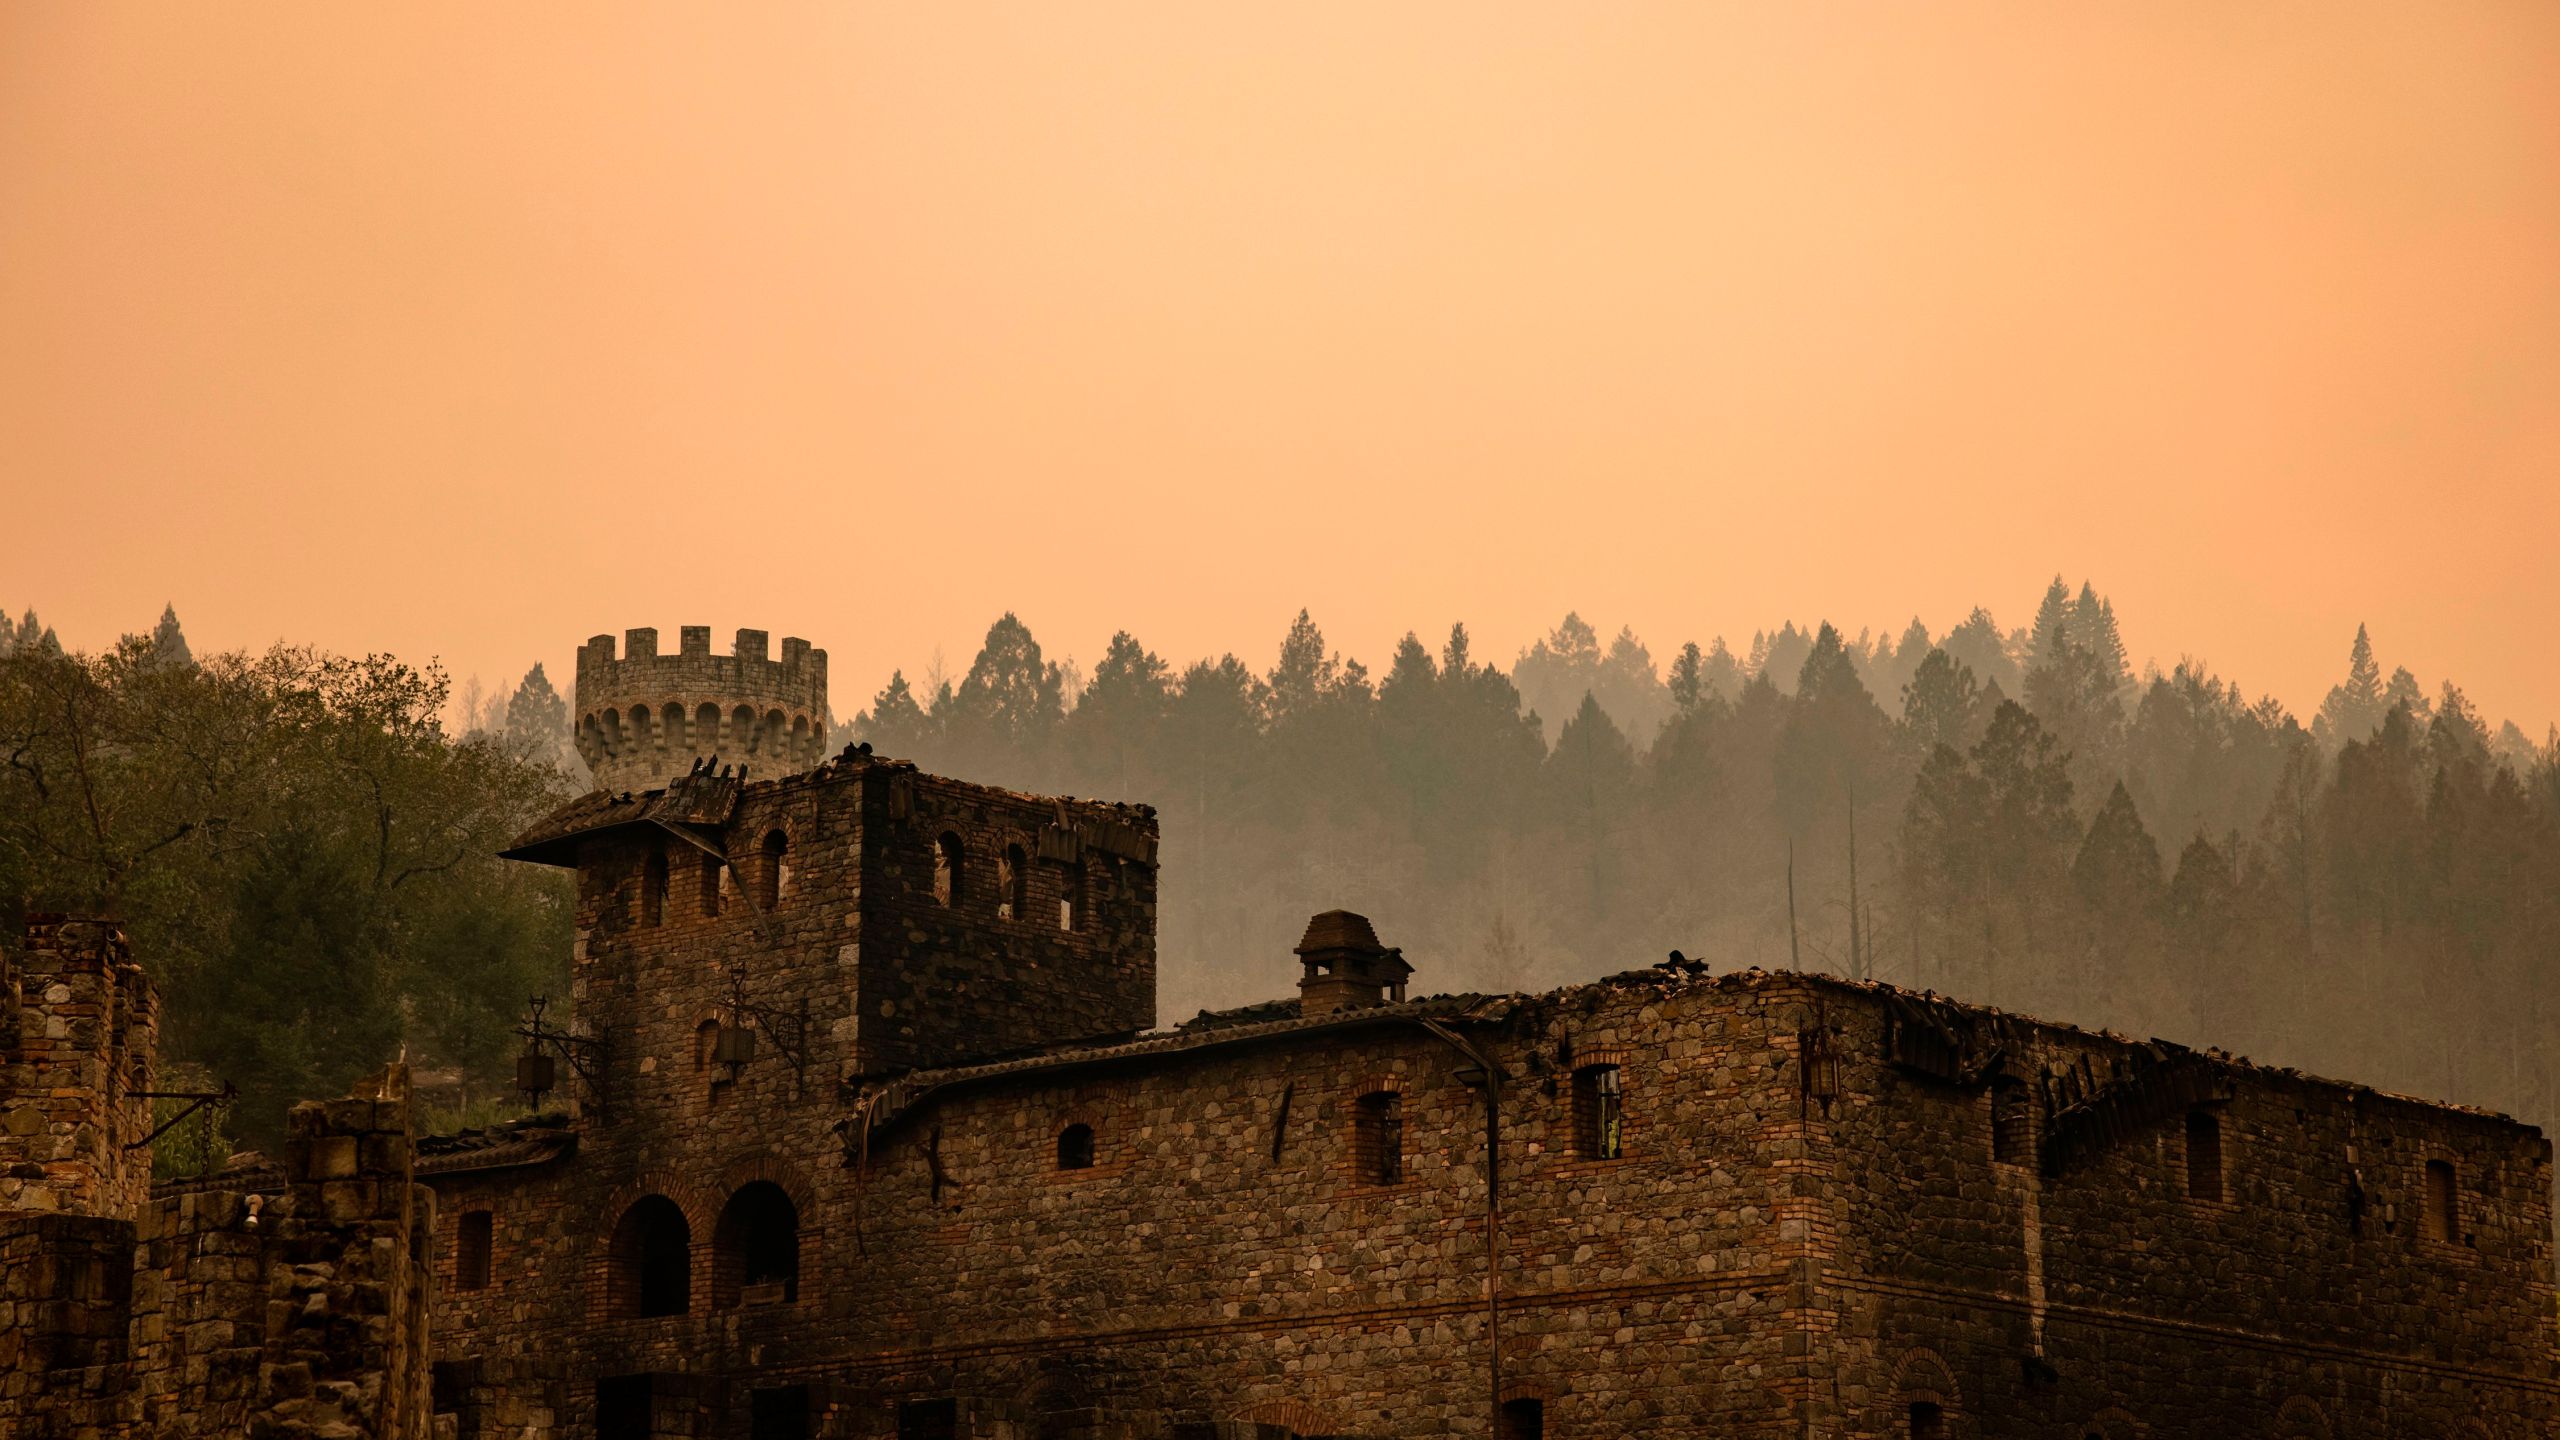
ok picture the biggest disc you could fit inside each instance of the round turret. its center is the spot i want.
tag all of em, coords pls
(645, 718)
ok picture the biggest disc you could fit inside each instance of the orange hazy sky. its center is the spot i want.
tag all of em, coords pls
(474, 329)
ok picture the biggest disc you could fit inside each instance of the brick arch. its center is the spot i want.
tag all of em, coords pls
(1296, 1416)
(765, 1166)
(1924, 1374)
(698, 1215)
(1525, 1390)
(2300, 1418)
(720, 1268)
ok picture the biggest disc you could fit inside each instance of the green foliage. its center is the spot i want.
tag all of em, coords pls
(301, 854)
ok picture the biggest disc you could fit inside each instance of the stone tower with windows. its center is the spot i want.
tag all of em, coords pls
(645, 718)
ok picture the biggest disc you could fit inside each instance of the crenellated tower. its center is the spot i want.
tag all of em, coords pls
(645, 718)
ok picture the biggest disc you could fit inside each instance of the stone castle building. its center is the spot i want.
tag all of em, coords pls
(862, 1127)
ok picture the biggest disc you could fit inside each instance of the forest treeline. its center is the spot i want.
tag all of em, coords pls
(2011, 816)
(303, 844)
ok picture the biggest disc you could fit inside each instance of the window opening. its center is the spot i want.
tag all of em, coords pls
(471, 1251)
(710, 886)
(2013, 1125)
(653, 1259)
(755, 1248)
(1013, 889)
(1379, 1138)
(2204, 1155)
(653, 887)
(779, 1414)
(769, 874)
(622, 1408)
(2439, 1220)
(1524, 1420)
(1599, 1116)
(1928, 1421)
(1075, 1148)
(1071, 898)
(946, 870)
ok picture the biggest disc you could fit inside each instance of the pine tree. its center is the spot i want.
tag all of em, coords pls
(1835, 747)
(2052, 625)
(2117, 873)
(894, 724)
(2354, 705)
(1305, 674)
(168, 642)
(537, 722)
(1942, 705)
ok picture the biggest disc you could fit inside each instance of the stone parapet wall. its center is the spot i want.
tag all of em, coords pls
(644, 718)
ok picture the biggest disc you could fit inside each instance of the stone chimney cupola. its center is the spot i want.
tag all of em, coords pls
(1346, 967)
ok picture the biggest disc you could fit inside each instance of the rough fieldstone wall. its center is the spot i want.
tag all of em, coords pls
(644, 718)
(77, 1037)
(208, 1314)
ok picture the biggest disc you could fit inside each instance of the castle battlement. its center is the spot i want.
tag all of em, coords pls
(644, 717)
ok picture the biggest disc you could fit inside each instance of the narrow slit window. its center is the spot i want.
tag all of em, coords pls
(471, 1250)
(2013, 1125)
(2441, 1219)
(1598, 1112)
(769, 875)
(710, 887)
(1378, 1138)
(1071, 898)
(2204, 1155)
(653, 887)
(1013, 875)
(946, 870)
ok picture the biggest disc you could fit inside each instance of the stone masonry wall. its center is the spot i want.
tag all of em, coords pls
(77, 1037)
(643, 718)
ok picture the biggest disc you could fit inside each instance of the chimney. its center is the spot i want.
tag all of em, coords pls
(1346, 967)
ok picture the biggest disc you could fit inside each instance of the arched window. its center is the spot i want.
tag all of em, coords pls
(1599, 1119)
(1013, 884)
(769, 874)
(1075, 1148)
(2204, 1155)
(1378, 1138)
(755, 1248)
(946, 870)
(1071, 898)
(653, 886)
(652, 1260)
(471, 1250)
(2440, 1219)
